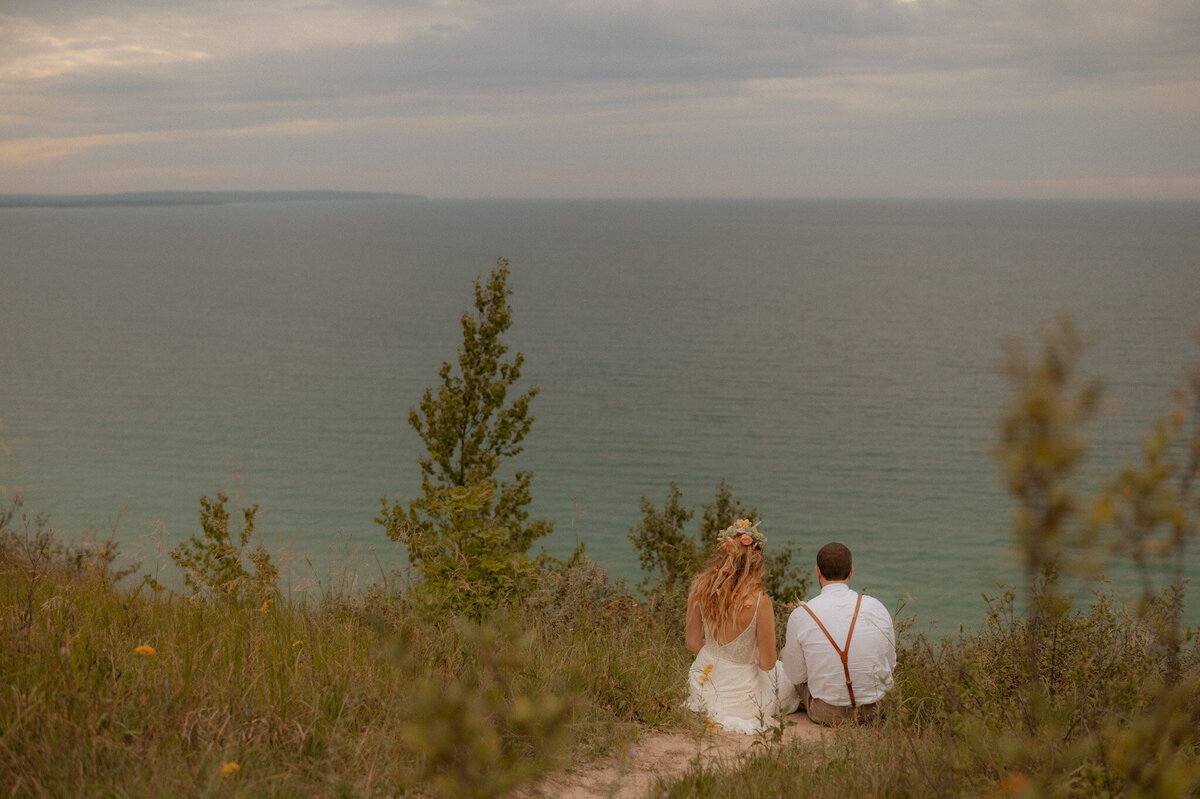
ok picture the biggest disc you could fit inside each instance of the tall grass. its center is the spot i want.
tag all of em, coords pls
(367, 696)
(1108, 724)
(111, 691)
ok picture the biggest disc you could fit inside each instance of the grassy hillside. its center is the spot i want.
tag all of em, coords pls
(115, 690)
(112, 690)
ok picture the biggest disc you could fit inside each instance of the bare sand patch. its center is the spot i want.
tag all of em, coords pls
(629, 774)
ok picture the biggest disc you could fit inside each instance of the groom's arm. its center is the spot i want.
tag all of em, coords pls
(793, 653)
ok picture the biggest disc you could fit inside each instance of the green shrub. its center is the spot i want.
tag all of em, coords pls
(672, 556)
(214, 563)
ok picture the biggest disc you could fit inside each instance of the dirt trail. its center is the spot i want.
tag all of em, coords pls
(630, 775)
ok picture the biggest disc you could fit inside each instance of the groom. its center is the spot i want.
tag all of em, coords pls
(840, 649)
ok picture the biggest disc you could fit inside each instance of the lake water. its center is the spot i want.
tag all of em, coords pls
(835, 361)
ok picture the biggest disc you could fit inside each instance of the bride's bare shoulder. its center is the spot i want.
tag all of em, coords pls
(762, 599)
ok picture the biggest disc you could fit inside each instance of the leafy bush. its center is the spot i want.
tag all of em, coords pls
(214, 563)
(672, 556)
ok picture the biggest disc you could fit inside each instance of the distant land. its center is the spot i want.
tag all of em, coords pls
(148, 198)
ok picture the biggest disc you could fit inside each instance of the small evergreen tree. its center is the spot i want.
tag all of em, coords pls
(469, 533)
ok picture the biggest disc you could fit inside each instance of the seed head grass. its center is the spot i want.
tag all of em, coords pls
(112, 690)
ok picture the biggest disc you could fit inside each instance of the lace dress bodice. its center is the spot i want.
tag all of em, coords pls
(742, 649)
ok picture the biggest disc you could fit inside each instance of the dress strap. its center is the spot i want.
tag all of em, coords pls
(753, 622)
(843, 653)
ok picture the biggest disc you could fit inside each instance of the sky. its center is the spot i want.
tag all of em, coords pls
(622, 98)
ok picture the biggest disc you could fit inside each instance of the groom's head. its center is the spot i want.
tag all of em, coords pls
(834, 563)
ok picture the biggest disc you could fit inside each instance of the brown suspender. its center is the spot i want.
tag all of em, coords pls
(843, 653)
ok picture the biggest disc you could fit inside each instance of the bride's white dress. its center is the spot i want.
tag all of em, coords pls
(726, 685)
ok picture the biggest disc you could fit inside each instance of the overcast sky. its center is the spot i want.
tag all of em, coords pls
(623, 98)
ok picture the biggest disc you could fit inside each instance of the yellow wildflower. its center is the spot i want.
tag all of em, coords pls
(297, 643)
(709, 725)
(705, 672)
(145, 651)
(229, 768)
(266, 604)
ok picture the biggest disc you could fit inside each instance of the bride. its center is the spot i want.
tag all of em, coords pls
(735, 680)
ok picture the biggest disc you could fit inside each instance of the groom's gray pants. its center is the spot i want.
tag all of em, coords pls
(821, 712)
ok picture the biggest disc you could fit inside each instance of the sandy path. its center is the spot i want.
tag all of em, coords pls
(630, 775)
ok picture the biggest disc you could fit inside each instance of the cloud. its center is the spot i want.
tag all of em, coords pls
(35, 51)
(22, 152)
(863, 69)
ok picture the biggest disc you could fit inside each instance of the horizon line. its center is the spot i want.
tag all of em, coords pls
(158, 197)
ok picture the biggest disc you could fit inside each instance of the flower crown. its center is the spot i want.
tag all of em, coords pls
(744, 533)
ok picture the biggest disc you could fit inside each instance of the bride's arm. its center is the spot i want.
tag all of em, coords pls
(695, 626)
(765, 633)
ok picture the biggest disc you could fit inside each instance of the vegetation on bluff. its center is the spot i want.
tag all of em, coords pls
(468, 535)
(1055, 699)
(487, 666)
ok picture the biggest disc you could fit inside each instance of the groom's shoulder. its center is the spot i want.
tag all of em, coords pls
(870, 600)
(799, 612)
(874, 605)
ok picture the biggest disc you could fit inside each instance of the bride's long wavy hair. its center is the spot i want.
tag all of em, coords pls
(736, 572)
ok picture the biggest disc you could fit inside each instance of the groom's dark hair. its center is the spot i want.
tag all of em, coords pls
(834, 561)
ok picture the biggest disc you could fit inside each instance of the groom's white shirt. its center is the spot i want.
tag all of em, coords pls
(808, 657)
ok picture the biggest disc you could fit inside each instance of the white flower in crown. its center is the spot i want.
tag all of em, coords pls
(744, 533)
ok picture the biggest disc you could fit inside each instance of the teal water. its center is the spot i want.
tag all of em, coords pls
(836, 362)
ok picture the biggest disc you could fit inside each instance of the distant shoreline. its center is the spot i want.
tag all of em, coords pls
(160, 198)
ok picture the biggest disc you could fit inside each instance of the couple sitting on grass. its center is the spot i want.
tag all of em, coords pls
(837, 659)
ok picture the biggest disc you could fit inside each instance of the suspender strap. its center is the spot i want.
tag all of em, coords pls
(843, 653)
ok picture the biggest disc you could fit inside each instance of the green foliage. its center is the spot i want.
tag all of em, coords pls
(115, 693)
(214, 563)
(466, 555)
(612, 649)
(465, 427)
(31, 551)
(672, 556)
(1154, 754)
(1042, 442)
(955, 722)
(1153, 516)
(1051, 700)
(480, 732)
(469, 533)
(111, 693)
